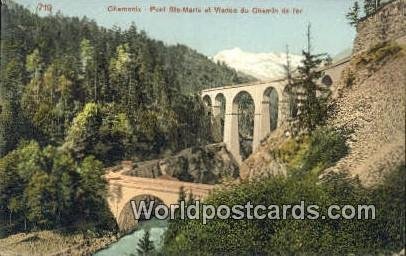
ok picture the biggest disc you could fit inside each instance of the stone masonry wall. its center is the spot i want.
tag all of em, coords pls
(389, 23)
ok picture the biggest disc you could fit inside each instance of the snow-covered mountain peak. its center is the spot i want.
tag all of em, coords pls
(263, 66)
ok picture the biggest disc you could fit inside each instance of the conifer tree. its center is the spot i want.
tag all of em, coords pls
(353, 14)
(10, 119)
(145, 245)
(88, 65)
(182, 194)
(191, 199)
(291, 100)
(160, 94)
(310, 95)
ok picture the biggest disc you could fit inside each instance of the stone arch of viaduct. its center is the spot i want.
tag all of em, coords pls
(258, 92)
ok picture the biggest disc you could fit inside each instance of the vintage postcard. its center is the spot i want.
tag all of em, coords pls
(202, 127)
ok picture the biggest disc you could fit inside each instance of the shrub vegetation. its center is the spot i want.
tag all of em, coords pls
(308, 156)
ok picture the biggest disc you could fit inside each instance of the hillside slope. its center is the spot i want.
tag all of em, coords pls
(373, 107)
(57, 36)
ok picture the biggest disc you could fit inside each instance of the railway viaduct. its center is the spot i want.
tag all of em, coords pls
(260, 93)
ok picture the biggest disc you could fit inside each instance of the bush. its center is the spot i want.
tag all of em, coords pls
(326, 237)
(326, 147)
(43, 188)
(314, 152)
(378, 53)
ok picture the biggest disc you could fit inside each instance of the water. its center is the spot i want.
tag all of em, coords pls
(127, 245)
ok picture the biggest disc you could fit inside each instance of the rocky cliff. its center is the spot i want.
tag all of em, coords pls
(207, 164)
(371, 104)
(265, 161)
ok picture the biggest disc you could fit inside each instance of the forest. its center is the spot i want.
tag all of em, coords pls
(76, 96)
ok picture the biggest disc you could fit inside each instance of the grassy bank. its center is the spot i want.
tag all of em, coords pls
(53, 243)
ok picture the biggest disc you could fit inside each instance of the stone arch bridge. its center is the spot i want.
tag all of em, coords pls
(260, 94)
(124, 188)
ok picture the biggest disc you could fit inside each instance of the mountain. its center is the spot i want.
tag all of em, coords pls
(263, 66)
(55, 66)
(195, 71)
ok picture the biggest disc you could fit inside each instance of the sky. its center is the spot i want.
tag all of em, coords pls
(210, 33)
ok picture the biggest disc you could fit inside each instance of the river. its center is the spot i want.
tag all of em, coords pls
(127, 245)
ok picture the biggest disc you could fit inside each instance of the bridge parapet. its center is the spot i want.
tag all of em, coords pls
(123, 189)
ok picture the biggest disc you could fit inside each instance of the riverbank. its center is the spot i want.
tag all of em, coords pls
(53, 243)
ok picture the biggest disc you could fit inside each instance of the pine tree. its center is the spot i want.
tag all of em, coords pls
(12, 188)
(353, 14)
(145, 245)
(371, 6)
(191, 199)
(182, 195)
(310, 95)
(291, 100)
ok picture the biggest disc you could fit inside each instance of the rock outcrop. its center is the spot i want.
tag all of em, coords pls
(206, 164)
(371, 104)
(264, 163)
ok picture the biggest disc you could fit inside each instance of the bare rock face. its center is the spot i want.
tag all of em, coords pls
(207, 164)
(371, 101)
(263, 163)
(372, 106)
